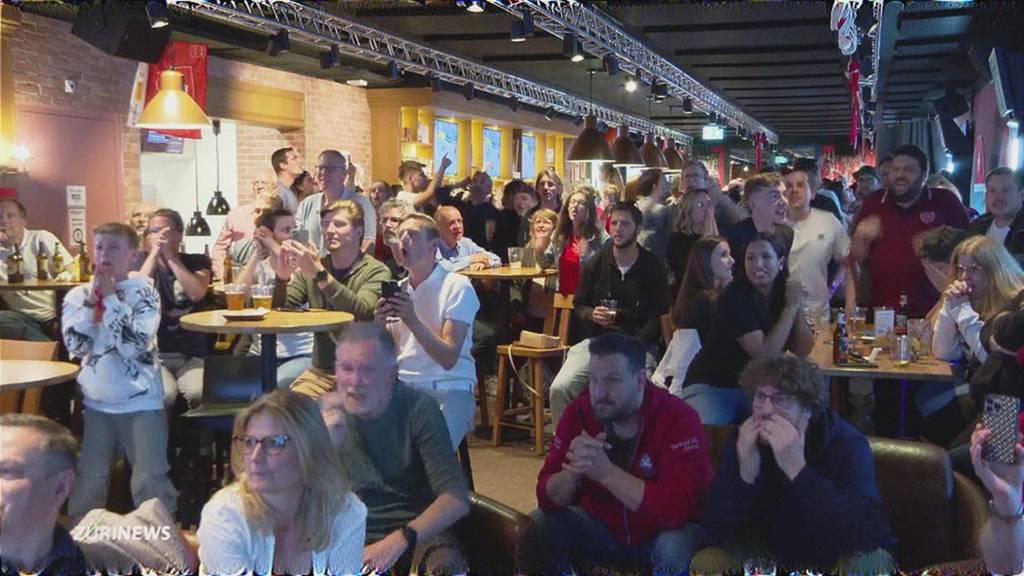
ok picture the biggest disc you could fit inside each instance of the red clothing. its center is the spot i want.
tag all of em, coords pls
(381, 251)
(671, 457)
(569, 267)
(891, 263)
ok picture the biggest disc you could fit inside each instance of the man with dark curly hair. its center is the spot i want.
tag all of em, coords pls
(796, 483)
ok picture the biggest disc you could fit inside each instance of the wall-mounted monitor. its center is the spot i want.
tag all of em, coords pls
(446, 141)
(529, 171)
(492, 152)
(153, 141)
(713, 133)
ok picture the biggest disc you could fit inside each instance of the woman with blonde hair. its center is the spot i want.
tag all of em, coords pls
(984, 277)
(579, 236)
(695, 219)
(533, 298)
(289, 510)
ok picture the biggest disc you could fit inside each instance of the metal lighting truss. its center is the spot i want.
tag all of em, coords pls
(602, 35)
(323, 29)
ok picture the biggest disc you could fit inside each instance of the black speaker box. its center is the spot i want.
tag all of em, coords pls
(120, 28)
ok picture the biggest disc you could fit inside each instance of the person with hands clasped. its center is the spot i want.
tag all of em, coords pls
(431, 319)
(796, 483)
(1002, 538)
(111, 324)
(627, 467)
(183, 281)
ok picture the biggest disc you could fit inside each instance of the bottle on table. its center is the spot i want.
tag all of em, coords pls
(41, 265)
(840, 341)
(84, 263)
(228, 276)
(57, 261)
(16, 267)
(901, 326)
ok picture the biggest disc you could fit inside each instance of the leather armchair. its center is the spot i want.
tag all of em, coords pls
(495, 538)
(936, 513)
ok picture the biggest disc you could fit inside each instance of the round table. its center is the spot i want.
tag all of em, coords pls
(274, 323)
(505, 274)
(16, 375)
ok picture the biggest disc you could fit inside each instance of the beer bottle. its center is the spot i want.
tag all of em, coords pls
(228, 276)
(901, 326)
(41, 262)
(840, 341)
(57, 260)
(15, 267)
(84, 264)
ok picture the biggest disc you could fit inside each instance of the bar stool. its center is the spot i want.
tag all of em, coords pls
(556, 323)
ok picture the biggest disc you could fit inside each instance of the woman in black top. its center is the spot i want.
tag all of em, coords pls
(759, 314)
(707, 274)
(695, 218)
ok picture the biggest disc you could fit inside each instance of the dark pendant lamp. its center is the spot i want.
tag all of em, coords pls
(672, 158)
(197, 226)
(650, 151)
(218, 205)
(590, 145)
(626, 154)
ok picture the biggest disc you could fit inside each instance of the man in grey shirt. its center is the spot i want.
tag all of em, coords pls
(333, 177)
(288, 166)
(398, 453)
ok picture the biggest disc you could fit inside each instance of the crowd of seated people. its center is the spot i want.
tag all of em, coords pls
(360, 439)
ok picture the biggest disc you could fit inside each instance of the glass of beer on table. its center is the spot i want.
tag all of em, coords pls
(235, 295)
(262, 296)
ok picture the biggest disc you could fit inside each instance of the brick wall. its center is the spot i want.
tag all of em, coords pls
(45, 53)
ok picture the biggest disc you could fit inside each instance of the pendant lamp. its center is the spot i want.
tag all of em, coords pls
(197, 226)
(672, 158)
(651, 153)
(172, 108)
(218, 205)
(626, 153)
(590, 145)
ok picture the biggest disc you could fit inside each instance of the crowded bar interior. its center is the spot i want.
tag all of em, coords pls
(511, 287)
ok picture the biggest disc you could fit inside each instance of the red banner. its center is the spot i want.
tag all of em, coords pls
(853, 85)
(190, 59)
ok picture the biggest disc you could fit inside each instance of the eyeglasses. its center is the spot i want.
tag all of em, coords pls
(780, 401)
(972, 269)
(272, 445)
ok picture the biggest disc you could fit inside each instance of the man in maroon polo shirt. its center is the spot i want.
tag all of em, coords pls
(886, 225)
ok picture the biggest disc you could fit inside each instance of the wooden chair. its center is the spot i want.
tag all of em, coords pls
(24, 401)
(556, 323)
(667, 328)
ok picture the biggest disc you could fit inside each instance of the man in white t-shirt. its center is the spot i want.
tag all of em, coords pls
(431, 318)
(818, 238)
(418, 190)
(31, 314)
(1003, 220)
(288, 166)
(334, 178)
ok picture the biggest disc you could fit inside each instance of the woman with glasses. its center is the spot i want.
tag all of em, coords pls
(289, 511)
(696, 219)
(759, 314)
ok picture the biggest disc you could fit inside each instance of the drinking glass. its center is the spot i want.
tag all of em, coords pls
(611, 304)
(858, 321)
(515, 257)
(235, 295)
(920, 337)
(901, 350)
(263, 297)
(759, 567)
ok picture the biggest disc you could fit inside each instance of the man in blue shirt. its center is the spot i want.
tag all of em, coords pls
(455, 251)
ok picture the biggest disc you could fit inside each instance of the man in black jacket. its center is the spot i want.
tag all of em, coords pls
(623, 289)
(1003, 220)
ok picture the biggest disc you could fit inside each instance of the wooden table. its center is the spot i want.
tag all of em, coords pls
(928, 369)
(18, 375)
(505, 274)
(274, 323)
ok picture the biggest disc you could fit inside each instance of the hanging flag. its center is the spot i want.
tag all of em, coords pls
(853, 85)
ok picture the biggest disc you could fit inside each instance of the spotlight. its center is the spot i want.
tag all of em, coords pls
(549, 114)
(529, 29)
(278, 43)
(572, 48)
(631, 84)
(578, 120)
(475, 7)
(602, 126)
(394, 72)
(659, 88)
(469, 91)
(513, 104)
(610, 64)
(517, 34)
(331, 59)
(435, 82)
(159, 15)
(687, 105)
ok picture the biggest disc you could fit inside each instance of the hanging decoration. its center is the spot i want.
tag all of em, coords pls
(844, 23)
(828, 160)
(853, 85)
(759, 141)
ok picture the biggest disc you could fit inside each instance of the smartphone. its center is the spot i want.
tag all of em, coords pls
(389, 288)
(1001, 417)
(301, 235)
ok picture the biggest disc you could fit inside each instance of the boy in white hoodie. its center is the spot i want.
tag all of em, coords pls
(111, 325)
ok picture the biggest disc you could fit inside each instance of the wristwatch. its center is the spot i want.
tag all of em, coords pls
(320, 276)
(410, 535)
(1011, 518)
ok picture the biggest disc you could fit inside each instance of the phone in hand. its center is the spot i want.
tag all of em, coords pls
(301, 235)
(1000, 415)
(389, 288)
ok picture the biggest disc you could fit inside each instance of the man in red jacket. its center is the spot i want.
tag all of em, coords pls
(626, 470)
